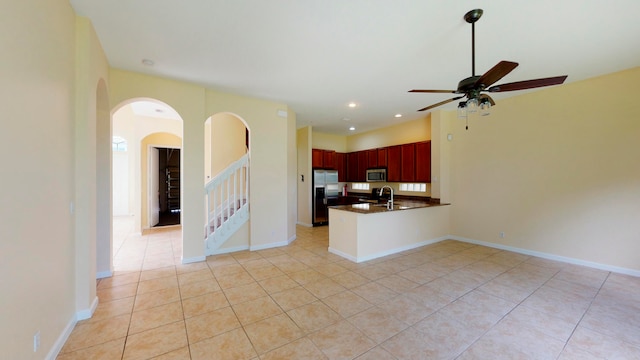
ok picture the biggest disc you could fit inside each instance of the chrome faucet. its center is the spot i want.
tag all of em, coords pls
(390, 201)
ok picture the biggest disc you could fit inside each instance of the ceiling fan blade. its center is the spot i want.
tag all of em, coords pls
(441, 103)
(528, 84)
(496, 73)
(434, 91)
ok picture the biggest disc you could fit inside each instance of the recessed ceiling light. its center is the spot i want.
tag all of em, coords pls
(352, 105)
(398, 115)
(352, 128)
(148, 62)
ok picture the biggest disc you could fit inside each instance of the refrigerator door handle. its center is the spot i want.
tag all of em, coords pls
(324, 201)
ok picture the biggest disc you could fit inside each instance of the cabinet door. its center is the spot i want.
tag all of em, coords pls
(341, 166)
(352, 166)
(423, 161)
(362, 165)
(328, 157)
(372, 158)
(382, 157)
(393, 163)
(317, 158)
(408, 168)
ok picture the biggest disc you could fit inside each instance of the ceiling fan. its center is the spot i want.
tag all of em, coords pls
(474, 87)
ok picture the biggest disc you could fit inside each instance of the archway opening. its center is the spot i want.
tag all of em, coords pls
(227, 154)
(138, 125)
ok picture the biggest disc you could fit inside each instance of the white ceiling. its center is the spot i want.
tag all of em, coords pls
(318, 55)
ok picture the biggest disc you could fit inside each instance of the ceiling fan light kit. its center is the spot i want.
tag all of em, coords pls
(473, 87)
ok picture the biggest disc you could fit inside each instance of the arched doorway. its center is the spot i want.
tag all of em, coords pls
(226, 140)
(227, 153)
(138, 124)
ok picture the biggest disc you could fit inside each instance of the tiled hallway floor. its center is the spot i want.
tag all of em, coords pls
(450, 300)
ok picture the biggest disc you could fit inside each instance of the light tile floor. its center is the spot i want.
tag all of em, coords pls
(450, 300)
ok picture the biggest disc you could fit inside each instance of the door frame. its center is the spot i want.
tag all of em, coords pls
(149, 187)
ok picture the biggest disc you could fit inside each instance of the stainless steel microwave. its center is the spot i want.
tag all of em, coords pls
(376, 175)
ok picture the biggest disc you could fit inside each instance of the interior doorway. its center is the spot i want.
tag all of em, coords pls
(164, 186)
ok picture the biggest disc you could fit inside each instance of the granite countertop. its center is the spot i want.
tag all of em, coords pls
(369, 208)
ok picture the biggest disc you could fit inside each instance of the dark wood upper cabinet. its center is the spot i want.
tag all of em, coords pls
(382, 157)
(393, 163)
(423, 161)
(352, 166)
(363, 163)
(404, 163)
(341, 166)
(372, 158)
(317, 158)
(408, 167)
(329, 161)
(323, 159)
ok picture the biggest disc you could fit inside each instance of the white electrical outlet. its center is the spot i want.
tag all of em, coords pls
(36, 341)
(502, 234)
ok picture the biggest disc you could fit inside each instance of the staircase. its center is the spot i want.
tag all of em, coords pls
(227, 204)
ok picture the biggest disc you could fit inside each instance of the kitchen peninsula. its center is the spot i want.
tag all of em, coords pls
(361, 232)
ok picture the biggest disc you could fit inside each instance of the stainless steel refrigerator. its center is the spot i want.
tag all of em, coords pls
(325, 193)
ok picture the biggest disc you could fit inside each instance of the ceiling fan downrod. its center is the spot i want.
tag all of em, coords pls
(471, 17)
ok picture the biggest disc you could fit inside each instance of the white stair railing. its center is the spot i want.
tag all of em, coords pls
(227, 203)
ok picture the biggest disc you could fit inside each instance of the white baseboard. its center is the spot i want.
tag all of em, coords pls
(230, 250)
(87, 313)
(104, 274)
(193, 259)
(254, 248)
(341, 254)
(548, 256)
(64, 336)
(269, 246)
(401, 249)
(304, 224)
(360, 259)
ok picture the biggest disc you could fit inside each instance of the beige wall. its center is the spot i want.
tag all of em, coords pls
(227, 141)
(556, 170)
(292, 168)
(328, 141)
(39, 100)
(304, 138)
(404, 133)
(92, 158)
